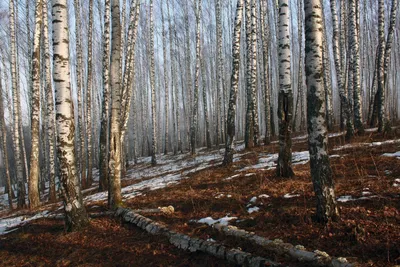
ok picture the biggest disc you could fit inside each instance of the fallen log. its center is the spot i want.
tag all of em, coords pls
(192, 244)
(299, 253)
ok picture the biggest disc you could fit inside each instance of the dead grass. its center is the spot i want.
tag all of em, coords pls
(368, 231)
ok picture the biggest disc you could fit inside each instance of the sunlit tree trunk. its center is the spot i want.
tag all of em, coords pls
(153, 89)
(50, 126)
(33, 181)
(75, 213)
(196, 82)
(105, 113)
(16, 114)
(114, 190)
(321, 172)
(285, 96)
(231, 127)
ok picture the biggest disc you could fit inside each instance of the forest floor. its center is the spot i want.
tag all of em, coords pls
(247, 195)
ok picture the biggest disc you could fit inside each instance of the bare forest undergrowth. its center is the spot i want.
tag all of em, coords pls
(368, 231)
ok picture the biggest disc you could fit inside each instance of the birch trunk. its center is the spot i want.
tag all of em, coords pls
(153, 89)
(16, 114)
(381, 67)
(166, 83)
(33, 182)
(265, 33)
(231, 127)
(196, 82)
(75, 213)
(114, 190)
(321, 172)
(338, 54)
(254, 103)
(249, 128)
(220, 83)
(285, 96)
(354, 47)
(89, 179)
(105, 113)
(50, 126)
(3, 144)
(79, 82)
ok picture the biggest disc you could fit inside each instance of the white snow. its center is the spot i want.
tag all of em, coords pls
(231, 177)
(288, 195)
(253, 200)
(253, 209)
(396, 155)
(263, 196)
(345, 198)
(249, 174)
(396, 183)
(210, 221)
(6, 224)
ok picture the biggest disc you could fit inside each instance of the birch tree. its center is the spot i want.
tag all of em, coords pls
(105, 113)
(89, 177)
(231, 127)
(321, 172)
(338, 54)
(75, 213)
(196, 82)
(153, 89)
(355, 51)
(285, 97)
(166, 83)
(381, 55)
(16, 110)
(50, 125)
(265, 33)
(3, 144)
(114, 190)
(33, 182)
(79, 83)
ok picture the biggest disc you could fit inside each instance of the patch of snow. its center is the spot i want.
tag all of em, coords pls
(371, 130)
(334, 156)
(288, 195)
(6, 224)
(345, 198)
(263, 196)
(249, 174)
(228, 196)
(210, 221)
(219, 196)
(396, 183)
(253, 200)
(231, 177)
(253, 209)
(211, 240)
(387, 172)
(396, 155)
